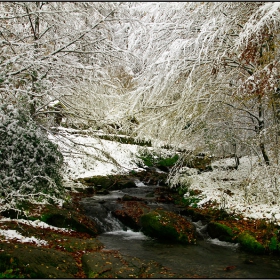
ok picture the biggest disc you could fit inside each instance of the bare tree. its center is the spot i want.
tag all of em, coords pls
(58, 60)
(60, 51)
(210, 74)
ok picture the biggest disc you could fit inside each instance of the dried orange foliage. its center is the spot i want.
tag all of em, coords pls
(133, 209)
(262, 230)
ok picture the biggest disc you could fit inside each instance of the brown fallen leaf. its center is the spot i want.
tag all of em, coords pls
(231, 267)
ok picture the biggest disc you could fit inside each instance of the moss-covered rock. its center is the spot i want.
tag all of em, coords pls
(109, 182)
(69, 216)
(131, 213)
(36, 262)
(62, 221)
(97, 181)
(168, 226)
(220, 231)
(112, 264)
(250, 244)
(73, 244)
(255, 236)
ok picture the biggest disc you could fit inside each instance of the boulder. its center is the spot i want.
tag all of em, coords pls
(168, 226)
(109, 182)
(220, 231)
(41, 262)
(111, 264)
(250, 244)
(131, 212)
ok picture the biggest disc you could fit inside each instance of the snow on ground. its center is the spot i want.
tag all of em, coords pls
(36, 223)
(251, 190)
(247, 190)
(10, 234)
(101, 155)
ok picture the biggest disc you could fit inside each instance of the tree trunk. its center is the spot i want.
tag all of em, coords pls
(259, 129)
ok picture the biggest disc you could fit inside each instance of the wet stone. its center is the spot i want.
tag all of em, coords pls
(42, 262)
(112, 264)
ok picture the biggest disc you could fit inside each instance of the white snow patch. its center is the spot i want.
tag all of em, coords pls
(36, 223)
(10, 234)
(87, 156)
(251, 190)
(138, 183)
(247, 190)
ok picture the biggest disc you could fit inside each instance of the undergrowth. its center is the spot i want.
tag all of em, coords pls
(154, 159)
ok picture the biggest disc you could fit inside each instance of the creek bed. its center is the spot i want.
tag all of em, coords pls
(209, 258)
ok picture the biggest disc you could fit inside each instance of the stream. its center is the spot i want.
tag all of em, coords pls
(209, 258)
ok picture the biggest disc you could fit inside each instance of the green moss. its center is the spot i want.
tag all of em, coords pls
(152, 227)
(93, 274)
(148, 160)
(153, 159)
(170, 161)
(5, 262)
(166, 226)
(10, 274)
(220, 231)
(250, 244)
(189, 201)
(9, 267)
(274, 244)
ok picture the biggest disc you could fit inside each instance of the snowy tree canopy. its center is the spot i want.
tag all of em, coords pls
(211, 74)
(61, 51)
(201, 76)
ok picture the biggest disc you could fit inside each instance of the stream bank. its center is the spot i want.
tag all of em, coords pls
(94, 251)
(69, 247)
(123, 211)
(67, 253)
(255, 236)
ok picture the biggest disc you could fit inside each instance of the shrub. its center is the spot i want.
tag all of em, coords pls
(187, 196)
(169, 161)
(29, 163)
(151, 158)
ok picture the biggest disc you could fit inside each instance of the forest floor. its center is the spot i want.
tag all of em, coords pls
(248, 190)
(32, 248)
(66, 245)
(41, 248)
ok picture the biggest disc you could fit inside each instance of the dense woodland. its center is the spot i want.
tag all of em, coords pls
(199, 77)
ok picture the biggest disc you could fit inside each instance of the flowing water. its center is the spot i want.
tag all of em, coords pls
(210, 258)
